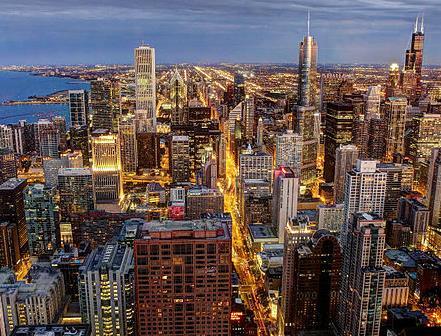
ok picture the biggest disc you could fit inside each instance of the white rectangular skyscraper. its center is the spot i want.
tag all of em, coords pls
(145, 81)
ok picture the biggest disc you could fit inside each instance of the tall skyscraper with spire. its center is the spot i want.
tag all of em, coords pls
(145, 83)
(308, 80)
(307, 115)
(411, 76)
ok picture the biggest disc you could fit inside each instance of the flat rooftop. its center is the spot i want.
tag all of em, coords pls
(52, 330)
(74, 171)
(12, 183)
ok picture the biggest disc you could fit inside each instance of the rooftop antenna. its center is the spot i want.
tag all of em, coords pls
(422, 24)
(415, 29)
(309, 21)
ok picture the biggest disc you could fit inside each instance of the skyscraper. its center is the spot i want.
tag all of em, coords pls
(411, 75)
(145, 81)
(8, 165)
(106, 166)
(307, 87)
(393, 84)
(239, 88)
(434, 188)
(363, 276)
(78, 108)
(12, 209)
(202, 200)
(180, 158)
(345, 159)
(365, 191)
(255, 165)
(107, 290)
(183, 278)
(75, 186)
(289, 150)
(41, 219)
(128, 144)
(101, 104)
(48, 138)
(396, 123)
(248, 118)
(178, 98)
(338, 131)
(311, 282)
(285, 198)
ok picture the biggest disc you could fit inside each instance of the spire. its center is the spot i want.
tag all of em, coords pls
(309, 21)
(422, 25)
(415, 29)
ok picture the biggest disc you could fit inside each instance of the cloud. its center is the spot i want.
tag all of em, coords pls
(267, 30)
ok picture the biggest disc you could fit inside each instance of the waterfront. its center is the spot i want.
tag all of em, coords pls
(15, 85)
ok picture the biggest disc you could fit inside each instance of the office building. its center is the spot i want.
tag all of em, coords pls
(101, 104)
(412, 73)
(41, 219)
(180, 158)
(434, 189)
(128, 145)
(255, 165)
(289, 150)
(305, 124)
(345, 158)
(331, 217)
(395, 116)
(107, 291)
(106, 166)
(285, 198)
(399, 178)
(10, 255)
(145, 82)
(417, 216)
(48, 138)
(363, 276)
(365, 191)
(79, 108)
(311, 283)
(6, 138)
(393, 88)
(307, 87)
(178, 98)
(183, 278)
(248, 118)
(8, 165)
(239, 88)
(75, 187)
(202, 200)
(256, 202)
(426, 135)
(79, 141)
(396, 288)
(12, 209)
(338, 132)
(52, 329)
(39, 300)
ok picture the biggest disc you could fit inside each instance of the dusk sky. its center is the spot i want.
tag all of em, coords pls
(201, 31)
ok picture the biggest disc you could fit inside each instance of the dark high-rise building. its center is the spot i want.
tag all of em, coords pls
(338, 131)
(79, 140)
(311, 282)
(239, 88)
(12, 209)
(395, 116)
(78, 108)
(416, 215)
(148, 146)
(9, 245)
(8, 165)
(411, 75)
(180, 158)
(101, 104)
(183, 278)
(178, 97)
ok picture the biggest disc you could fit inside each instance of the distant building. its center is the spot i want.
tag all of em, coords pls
(202, 200)
(128, 145)
(395, 116)
(106, 166)
(145, 81)
(78, 108)
(178, 98)
(180, 158)
(285, 198)
(101, 104)
(48, 138)
(8, 165)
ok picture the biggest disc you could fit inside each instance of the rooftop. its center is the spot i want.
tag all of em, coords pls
(12, 183)
(52, 330)
(74, 172)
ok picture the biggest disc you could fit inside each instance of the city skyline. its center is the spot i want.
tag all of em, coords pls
(196, 32)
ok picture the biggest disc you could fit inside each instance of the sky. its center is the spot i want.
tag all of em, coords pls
(212, 31)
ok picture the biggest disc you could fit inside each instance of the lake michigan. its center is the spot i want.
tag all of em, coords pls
(16, 85)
